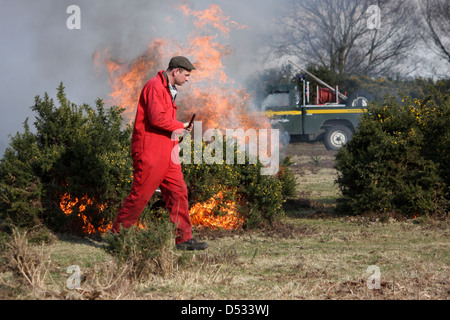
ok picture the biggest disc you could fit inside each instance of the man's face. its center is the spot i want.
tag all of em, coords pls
(181, 76)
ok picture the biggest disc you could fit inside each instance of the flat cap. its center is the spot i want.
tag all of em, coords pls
(181, 62)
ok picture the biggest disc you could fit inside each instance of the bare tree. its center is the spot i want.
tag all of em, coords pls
(340, 35)
(436, 26)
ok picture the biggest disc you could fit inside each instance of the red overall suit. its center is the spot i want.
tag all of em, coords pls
(151, 148)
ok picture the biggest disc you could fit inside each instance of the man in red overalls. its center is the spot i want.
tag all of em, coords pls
(152, 147)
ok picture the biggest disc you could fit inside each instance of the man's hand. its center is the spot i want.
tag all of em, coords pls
(188, 127)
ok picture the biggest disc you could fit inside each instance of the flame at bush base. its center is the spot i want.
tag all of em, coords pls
(67, 205)
(203, 214)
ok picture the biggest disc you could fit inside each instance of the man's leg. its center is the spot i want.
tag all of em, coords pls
(145, 182)
(174, 191)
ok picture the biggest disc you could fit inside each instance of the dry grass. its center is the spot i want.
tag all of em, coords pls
(310, 254)
(26, 264)
(298, 259)
(328, 259)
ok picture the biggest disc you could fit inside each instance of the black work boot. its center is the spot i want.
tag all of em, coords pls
(192, 244)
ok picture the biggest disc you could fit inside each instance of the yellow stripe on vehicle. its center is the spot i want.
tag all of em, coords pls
(310, 112)
(335, 111)
(283, 113)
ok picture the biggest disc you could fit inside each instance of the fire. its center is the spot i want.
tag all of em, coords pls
(203, 214)
(217, 100)
(67, 205)
(126, 81)
(212, 16)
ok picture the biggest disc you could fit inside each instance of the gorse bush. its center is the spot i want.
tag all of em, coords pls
(146, 251)
(74, 171)
(77, 161)
(398, 160)
(20, 188)
(259, 197)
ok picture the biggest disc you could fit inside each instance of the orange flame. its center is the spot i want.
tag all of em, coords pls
(218, 101)
(125, 80)
(212, 16)
(67, 205)
(203, 214)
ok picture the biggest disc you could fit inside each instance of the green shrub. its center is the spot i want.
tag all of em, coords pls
(77, 161)
(398, 160)
(146, 251)
(287, 178)
(20, 187)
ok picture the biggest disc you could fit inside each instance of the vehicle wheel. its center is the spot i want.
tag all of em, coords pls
(336, 137)
(359, 100)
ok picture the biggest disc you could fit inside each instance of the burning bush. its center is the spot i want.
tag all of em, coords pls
(75, 171)
(398, 160)
(237, 191)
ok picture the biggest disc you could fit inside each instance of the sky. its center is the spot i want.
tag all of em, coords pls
(38, 50)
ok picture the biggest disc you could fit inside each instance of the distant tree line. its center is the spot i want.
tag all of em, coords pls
(362, 37)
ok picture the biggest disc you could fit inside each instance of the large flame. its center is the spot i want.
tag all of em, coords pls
(127, 80)
(204, 214)
(218, 101)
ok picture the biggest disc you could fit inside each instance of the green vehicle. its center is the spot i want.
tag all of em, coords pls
(327, 115)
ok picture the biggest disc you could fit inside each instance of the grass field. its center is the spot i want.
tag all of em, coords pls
(309, 254)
